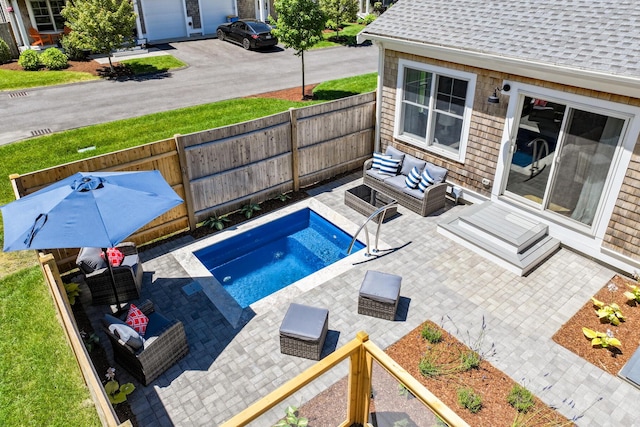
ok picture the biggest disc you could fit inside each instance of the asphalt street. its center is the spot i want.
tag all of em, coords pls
(216, 71)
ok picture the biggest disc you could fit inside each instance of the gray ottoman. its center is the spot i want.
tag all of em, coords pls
(379, 295)
(303, 331)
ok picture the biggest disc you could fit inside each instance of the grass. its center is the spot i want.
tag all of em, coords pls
(346, 36)
(153, 64)
(11, 79)
(335, 89)
(40, 383)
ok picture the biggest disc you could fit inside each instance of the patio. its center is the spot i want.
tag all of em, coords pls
(228, 369)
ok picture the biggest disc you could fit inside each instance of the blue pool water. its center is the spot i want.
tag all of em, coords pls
(261, 261)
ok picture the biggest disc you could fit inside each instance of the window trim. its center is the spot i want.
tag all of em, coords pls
(32, 18)
(425, 144)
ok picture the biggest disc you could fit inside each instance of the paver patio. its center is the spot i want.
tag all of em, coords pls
(228, 369)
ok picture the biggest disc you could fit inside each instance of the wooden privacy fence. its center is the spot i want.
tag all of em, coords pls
(219, 170)
(361, 354)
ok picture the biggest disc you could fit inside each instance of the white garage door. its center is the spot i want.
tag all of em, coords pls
(164, 19)
(214, 13)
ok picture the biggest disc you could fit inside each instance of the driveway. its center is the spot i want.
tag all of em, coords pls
(217, 71)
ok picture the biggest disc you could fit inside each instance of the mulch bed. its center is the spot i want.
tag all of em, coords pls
(608, 359)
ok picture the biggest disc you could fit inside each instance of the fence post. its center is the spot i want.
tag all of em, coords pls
(295, 167)
(184, 170)
(359, 384)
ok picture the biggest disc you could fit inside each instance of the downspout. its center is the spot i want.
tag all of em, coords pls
(376, 142)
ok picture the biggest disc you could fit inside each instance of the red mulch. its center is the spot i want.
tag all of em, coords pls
(89, 66)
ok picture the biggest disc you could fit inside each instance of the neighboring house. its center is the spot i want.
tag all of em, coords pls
(562, 143)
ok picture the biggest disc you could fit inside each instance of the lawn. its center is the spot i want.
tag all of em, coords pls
(345, 37)
(11, 80)
(153, 64)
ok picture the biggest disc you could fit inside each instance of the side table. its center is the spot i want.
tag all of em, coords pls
(366, 200)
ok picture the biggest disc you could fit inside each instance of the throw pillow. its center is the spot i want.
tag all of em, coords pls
(425, 180)
(390, 166)
(413, 179)
(115, 256)
(377, 160)
(137, 320)
(90, 260)
(126, 334)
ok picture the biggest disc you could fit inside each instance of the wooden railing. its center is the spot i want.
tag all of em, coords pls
(361, 353)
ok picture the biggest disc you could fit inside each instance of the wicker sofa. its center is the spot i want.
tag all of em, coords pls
(165, 342)
(423, 203)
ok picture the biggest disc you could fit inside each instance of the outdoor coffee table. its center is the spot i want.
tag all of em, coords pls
(366, 200)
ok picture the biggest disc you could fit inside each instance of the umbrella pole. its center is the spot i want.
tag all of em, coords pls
(113, 280)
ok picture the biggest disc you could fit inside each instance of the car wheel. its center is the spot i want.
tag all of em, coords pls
(220, 34)
(246, 43)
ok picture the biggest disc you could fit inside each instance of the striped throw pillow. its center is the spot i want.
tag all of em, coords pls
(425, 180)
(390, 166)
(377, 160)
(413, 179)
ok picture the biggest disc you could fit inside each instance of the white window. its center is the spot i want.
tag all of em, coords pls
(45, 14)
(434, 107)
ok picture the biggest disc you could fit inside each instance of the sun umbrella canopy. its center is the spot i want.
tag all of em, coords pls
(97, 209)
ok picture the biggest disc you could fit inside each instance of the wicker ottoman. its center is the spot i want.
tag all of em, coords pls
(303, 331)
(379, 295)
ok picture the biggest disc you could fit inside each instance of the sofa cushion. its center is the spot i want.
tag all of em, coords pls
(90, 259)
(414, 192)
(123, 331)
(413, 179)
(439, 174)
(397, 182)
(375, 173)
(390, 166)
(411, 162)
(394, 153)
(377, 160)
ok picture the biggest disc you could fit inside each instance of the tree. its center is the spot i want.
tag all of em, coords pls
(299, 26)
(340, 11)
(101, 26)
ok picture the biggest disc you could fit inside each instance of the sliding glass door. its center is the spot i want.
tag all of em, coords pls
(561, 158)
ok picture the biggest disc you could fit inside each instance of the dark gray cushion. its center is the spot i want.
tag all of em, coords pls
(90, 260)
(382, 287)
(409, 162)
(126, 333)
(438, 173)
(304, 322)
(394, 153)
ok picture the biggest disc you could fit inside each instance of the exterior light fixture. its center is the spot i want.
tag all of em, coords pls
(493, 99)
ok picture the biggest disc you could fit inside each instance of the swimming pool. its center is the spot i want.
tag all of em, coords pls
(261, 261)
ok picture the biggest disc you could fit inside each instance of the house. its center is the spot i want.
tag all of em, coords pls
(157, 20)
(531, 105)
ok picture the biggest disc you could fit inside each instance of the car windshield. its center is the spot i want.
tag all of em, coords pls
(259, 27)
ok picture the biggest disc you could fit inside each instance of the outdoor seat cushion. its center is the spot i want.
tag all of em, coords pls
(395, 153)
(397, 182)
(381, 287)
(410, 162)
(436, 172)
(304, 322)
(375, 173)
(414, 192)
(123, 331)
(157, 324)
(90, 259)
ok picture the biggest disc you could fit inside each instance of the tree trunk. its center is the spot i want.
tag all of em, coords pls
(302, 56)
(111, 65)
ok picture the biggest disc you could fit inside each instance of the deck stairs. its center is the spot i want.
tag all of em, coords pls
(506, 237)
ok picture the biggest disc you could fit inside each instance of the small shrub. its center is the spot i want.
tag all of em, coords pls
(73, 290)
(29, 60)
(470, 360)
(72, 52)
(520, 398)
(249, 209)
(292, 419)
(431, 334)
(469, 400)
(332, 25)
(53, 59)
(608, 312)
(282, 197)
(216, 221)
(5, 53)
(428, 367)
(369, 19)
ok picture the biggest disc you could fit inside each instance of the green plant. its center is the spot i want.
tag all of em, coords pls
(469, 399)
(633, 294)
(378, 7)
(332, 25)
(29, 60)
(369, 19)
(428, 367)
(249, 209)
(608, 312)
(520, 398)
(73, 290)
(117, 393)
(431, 333)
(282, 197)
(5, 53)
(215, 221)
(72, 52)
(90, 340)
(469, 360)
(53, 59)
(404, 391)
(292, 419)
(603, 339)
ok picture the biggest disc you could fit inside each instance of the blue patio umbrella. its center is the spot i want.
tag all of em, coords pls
(95, 209)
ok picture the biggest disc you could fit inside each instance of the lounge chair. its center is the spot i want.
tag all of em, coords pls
(40, 39)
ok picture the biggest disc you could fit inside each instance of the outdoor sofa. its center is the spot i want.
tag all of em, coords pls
(394, 184)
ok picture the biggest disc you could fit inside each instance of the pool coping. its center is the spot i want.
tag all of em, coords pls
(227, 305)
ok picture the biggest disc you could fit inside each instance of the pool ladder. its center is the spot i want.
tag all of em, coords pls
(380, 211)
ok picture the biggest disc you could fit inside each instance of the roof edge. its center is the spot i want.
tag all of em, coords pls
(594, 80)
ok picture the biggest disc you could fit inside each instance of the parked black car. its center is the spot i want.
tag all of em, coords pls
(249, 33)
